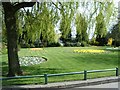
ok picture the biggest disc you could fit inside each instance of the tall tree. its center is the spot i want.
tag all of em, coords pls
(47, 25)
(104, 12)
(10, 10)
(115, 34)
(100, 29)
(67, 12)
(29, 26)
(81, 28)
(39, 23)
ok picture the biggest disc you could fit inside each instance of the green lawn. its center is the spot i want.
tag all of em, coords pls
(63, 59)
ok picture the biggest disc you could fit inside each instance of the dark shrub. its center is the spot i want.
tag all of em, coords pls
(83, 43)
(54, 45)
(116, 43)
(78, 44)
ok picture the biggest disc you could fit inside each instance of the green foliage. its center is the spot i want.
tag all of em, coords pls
(3, 48)
(67, 12)
(47, 25)
(84, 44)
(100, 29)
(105, 12)
(39, 23)
(94, 42)
(55, 44)
(28, 28)
(4, 33)
(78, 44)
(81, 28)
(109, 11)
(115, 34)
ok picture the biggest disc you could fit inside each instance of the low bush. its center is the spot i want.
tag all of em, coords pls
(83, 44)
(54, 45)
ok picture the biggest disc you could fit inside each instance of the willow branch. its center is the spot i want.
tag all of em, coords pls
(23, 4)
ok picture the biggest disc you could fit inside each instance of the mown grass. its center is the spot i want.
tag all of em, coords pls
(63, 60)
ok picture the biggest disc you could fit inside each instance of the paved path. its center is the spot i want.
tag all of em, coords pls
(108, 85)
(71, 85)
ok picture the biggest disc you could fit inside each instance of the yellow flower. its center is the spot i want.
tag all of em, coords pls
(36, 49)
(89, 51)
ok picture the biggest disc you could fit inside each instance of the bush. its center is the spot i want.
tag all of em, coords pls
(3, 51)
(54, 45)
(116, 43)
(70, 44)
(94, 42)
(83, 43)
(27, 45)
(78, 44)
(73, 44)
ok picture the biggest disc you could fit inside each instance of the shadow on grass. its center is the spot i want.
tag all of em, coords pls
(36, 70)
(4, 63)
(24, 81)
(4, 70)
(32, 70)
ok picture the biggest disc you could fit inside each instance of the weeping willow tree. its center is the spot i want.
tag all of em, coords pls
(100, 29)
(67, 12)
(81, 28)
(39, 24)
(28, 27)
(106, 10)
(47, 25)
(103, 16)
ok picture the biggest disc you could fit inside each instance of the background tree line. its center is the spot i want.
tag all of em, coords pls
(36, 26)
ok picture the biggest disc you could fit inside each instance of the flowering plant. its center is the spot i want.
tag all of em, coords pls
(89, 51)
(34, 49)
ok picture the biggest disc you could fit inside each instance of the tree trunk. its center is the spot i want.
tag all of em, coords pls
(12, 35)
(13, 61)
(14, 66)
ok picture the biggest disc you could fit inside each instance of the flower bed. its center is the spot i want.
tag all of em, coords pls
(34, 49)
(31, 60)
(88, 51)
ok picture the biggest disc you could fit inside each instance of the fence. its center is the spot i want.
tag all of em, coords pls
(85, 72)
